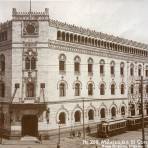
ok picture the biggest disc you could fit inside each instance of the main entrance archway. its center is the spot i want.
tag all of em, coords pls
(29, 125)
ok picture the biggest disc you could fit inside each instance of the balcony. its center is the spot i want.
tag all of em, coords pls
(28, 103)
(28, 100)
(31, 100)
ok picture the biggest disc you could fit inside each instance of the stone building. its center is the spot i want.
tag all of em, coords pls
(50, 72)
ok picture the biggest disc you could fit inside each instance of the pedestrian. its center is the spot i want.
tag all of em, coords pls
(79, 134)
(40, 138)
(88, 129)
(73, 133)
(1, 139)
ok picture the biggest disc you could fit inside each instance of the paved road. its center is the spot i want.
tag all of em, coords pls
(131, 139)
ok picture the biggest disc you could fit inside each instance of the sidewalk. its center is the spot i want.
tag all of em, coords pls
(65, 143)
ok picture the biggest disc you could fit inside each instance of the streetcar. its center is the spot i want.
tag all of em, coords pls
(106, 129)
(133, 123)
(136, 122)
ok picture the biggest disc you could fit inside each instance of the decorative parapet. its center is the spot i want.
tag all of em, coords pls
(93, 33)
(30, 15)
(72, 47)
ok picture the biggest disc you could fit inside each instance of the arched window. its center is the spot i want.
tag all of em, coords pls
(102, 113)
(79, 39)
(75, 38)
(71, 37)
(59, 35)
(33, 63)
(62, 118)
(122, 110)
(27, 63)
(77, 64)
(62, 89)
(113, 112)
(2, 119)
(2, 89)
(112, 68)
(90, 89)
(122, 89)
(62, 62)
(2, 63)
(92, 42)
(30, 89)
(132, 69)
(102, 89)
(90, 66)
(77, 89)
(96, 43)
(67, 37)
(132, 89)
(85, 40)
(90, 114)
(146, 89)
(102, 63)
(113, 89)
(77, 116)
(132, 107)
(122, 69)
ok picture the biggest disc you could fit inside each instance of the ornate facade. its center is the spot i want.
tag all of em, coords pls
(50, 69)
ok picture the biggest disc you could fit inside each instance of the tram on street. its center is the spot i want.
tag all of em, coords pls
(107, 129)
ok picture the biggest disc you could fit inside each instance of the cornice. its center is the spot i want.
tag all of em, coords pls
(86, 100)
(95, 34)
(82, 49)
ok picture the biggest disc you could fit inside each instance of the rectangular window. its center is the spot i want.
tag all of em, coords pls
(139, 72)
(131, 71)
(101, 69)
(90, 68)
(42, 85)
(112, 70)
(121, 71)
(62, 65)
(30, 89)
(77, 67)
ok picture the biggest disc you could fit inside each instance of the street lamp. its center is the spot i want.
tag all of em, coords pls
(58, 145)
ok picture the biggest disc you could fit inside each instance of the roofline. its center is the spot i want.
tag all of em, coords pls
(99, 35)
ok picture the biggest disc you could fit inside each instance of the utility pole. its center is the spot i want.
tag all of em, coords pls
(30, 6)
(83, 122)
(143, 135)
(142, 112)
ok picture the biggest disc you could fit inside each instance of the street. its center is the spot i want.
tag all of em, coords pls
(130, 139)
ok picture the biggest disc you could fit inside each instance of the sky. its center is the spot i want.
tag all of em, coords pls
(123, 18)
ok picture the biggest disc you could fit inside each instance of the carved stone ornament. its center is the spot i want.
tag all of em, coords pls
(30, 28)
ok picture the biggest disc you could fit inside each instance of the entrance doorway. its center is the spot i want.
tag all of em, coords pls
(30, 125)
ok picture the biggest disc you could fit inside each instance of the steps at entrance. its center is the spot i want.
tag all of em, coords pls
(29, 139)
